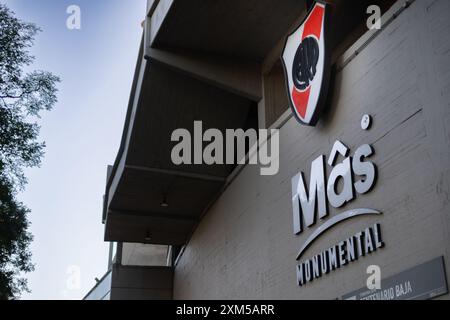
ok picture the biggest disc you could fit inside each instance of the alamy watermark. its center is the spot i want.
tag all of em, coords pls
(228, 148)
(73, 280)
(73, 21)
(374, 20)
(374, 280)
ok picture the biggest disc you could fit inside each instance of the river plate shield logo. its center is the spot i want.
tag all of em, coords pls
(306, 64)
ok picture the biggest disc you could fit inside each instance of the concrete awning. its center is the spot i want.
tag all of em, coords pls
(244, 29)
(164, 99)
(199, 60)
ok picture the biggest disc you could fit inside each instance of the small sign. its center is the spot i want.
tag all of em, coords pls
(423, 282)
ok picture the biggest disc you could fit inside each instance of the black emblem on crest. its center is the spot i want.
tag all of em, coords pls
(305, 63)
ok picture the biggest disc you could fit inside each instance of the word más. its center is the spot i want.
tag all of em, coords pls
(306, 204)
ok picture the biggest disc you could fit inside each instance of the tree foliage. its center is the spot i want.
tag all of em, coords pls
(23, 96)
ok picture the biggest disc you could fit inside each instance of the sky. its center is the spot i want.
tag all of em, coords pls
(82, 135)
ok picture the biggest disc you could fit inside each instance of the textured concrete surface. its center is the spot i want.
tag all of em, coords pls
(244, 247)
(141, 283)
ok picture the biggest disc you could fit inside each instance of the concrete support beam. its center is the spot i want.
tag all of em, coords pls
(275, 97)
(151, 7)
(177, 173)
(239, 77)
(160, 215)
(159, 11)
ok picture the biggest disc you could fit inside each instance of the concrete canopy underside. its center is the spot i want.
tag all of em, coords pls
(146, 176)
(247, 29)
(203, 63)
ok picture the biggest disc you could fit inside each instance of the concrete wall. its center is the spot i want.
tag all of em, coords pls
(244, 247)
(138, 254)
(141, 283)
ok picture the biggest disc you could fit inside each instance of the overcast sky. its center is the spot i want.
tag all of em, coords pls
(82, 134)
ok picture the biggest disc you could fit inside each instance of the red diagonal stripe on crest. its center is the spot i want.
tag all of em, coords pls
(301, 99)
(313, 26)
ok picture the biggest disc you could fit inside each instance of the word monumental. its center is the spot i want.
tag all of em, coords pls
(331, 259)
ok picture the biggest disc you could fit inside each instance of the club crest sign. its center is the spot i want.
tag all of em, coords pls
(306, 64)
